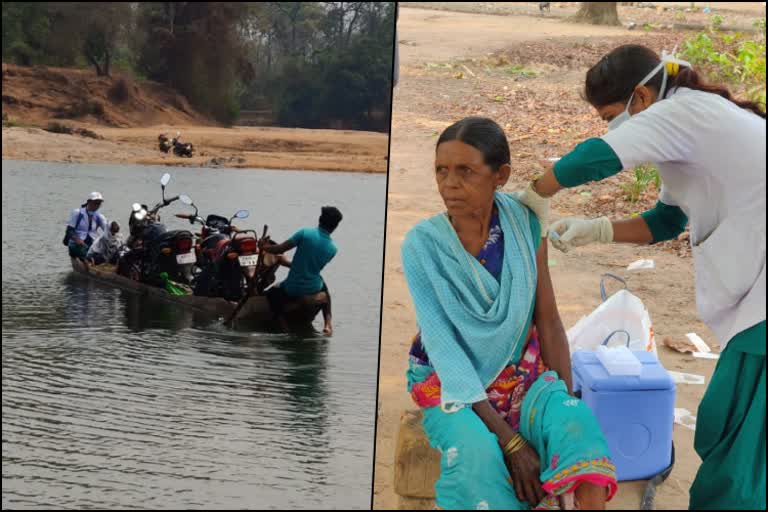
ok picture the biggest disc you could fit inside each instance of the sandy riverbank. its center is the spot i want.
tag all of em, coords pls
(126, 115)
(244, 147)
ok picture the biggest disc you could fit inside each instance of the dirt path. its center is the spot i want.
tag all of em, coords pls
(737, 15)
(430, 96)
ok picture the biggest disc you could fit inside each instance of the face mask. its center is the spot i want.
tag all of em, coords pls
(667, 61)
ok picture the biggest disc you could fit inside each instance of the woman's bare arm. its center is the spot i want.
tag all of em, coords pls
(546, 318)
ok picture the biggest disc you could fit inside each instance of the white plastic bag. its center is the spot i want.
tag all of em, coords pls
(622, 311)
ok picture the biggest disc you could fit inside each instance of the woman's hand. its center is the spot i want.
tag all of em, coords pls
(537, 203)
(569, 233)
(524, 469)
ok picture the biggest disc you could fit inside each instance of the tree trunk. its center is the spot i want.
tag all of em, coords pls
(95, 63)
(598, 13)
(108, 64)
(352, 24)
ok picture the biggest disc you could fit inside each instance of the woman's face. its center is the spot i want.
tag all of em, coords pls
(465, 182)
(641, 100)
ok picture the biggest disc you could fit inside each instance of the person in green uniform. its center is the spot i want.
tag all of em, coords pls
(709, 148)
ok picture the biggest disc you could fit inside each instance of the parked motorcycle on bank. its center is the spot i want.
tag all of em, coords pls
(179, 148)
(182, 149)
(151, 250)
(165, 144)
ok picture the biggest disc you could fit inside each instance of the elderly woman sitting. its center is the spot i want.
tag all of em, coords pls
(494, 388)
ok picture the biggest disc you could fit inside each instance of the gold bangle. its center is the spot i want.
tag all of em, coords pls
(515, 444)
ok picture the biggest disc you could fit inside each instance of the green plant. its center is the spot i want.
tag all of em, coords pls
(717, 21)
(644, 175)
(729, 57)
(55, 127)
(519, 71)
(8, 122)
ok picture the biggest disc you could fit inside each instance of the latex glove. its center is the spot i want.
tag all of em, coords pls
(568, 233)
(539, 205)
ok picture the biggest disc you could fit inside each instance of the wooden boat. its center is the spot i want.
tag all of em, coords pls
(255, 312)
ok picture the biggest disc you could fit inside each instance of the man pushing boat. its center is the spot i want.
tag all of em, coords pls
(314, 250)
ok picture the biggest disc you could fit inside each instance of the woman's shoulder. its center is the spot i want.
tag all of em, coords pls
(521, 210)
(424, 232)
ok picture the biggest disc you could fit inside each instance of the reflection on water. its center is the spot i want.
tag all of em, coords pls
(112, 399)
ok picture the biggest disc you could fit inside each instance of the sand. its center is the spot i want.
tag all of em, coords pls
(243, 147)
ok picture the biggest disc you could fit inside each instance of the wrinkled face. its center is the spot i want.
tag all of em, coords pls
(465, 182)
(641, 100)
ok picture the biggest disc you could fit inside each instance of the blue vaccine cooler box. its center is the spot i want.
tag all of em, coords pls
(635, 413)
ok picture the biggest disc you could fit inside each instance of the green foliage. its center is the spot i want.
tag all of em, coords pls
(717, 21)
(644, 175)
(517, 70)
(317, 64)
(731, 58)
(345, 82)
(26, 26)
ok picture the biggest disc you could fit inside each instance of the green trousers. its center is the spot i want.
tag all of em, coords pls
(730, 429)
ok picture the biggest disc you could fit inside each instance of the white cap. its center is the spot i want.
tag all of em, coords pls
(95, 196)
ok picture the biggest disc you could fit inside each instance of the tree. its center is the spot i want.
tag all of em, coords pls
(96, 28)
(196, 48)
(598, 13)
(25, 31)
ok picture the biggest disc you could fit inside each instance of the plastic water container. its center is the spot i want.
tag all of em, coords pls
(619, 360)
(635, 412)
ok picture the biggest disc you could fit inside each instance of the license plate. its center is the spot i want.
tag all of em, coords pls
(186, 259)
(248, 261)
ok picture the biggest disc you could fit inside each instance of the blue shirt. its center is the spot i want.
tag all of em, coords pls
(314, 249)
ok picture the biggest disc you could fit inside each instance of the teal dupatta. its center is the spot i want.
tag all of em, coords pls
(471, 324)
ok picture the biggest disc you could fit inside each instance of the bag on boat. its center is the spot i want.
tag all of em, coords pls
(622, 311)
(170, 287)
(68, 236)
(71, 231)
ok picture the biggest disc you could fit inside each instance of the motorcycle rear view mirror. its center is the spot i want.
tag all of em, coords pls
(165, 179)
(242, 214)
(185, 199)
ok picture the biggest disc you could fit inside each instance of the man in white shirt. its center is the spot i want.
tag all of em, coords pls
(84, 225)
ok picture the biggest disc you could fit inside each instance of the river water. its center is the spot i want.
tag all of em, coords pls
(115, 400)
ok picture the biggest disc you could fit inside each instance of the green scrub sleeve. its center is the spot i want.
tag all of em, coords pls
(592, 160)
(665, 222)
